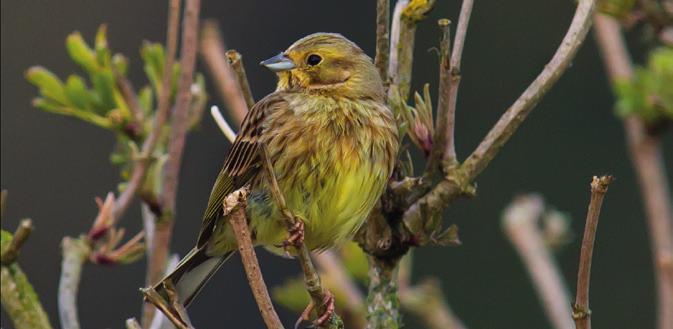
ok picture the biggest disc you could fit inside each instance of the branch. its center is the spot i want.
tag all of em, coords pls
(382, 298)
(458, 182)
(17, 295)
(20, 301)
(646, 155)
(179, 120)
(581, 313)
(520, 222)
(451, 83)
(213, 52)
(21, 234)
(132, 323)
(445, 113)
(75, 254)
(236, 62)
(160, 116)
(514, 116)
(3, 201)
(131, 99)
(405, 17)
(382, 38)
(222, 124)
(158, 256)
(234, 207)
(175, 312)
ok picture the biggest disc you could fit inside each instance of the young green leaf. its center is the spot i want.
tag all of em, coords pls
(81, 53)
(50, 85)
(77, 93)
(104, 84)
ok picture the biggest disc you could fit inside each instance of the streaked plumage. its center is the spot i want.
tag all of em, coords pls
(332, 143)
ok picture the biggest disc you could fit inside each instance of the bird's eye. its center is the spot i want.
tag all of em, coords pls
(313, 60)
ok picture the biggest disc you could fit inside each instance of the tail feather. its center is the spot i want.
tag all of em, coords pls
(191, 274)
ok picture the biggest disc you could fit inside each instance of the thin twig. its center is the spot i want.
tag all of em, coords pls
(131, 99)
(445, 120)
(382, 38)
(75, 253)
(21, 234)
(178, 319)
(158, 255)
(236, 62)
(132, 323)
(395, 26)
(514, 116)
(646, 155)
(581, 313)
(221, 122)
(179, 119)
(406, 16)
(234, 207)
(160, 116)
(520, 223)
(3, 202)
(459, 181)
(456, 56)
(213, 52)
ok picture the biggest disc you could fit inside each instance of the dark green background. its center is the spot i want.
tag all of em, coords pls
(54, 166)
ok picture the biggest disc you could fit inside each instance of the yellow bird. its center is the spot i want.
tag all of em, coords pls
(332, 143)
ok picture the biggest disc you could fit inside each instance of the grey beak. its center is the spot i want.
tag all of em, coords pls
(278, 63)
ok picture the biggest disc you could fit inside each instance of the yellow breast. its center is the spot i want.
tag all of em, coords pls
(332, 159)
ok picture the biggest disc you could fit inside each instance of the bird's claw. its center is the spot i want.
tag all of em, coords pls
(296, 238)
(328, 303)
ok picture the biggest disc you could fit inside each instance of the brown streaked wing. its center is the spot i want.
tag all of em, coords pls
(242, 162)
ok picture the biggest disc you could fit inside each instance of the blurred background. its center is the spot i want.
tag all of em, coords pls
(54, 166)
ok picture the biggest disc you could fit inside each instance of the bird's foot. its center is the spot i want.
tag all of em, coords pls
(328, 303)
(296, 238)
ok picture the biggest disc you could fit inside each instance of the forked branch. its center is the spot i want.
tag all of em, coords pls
(459, 181)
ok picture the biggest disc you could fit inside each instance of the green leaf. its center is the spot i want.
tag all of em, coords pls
(649, 95)
(81, 53)
(153, 59)
(104, 84)
(102, 51)
(146, 100)
(51, 106)
(77, 92)
(120, 64)
(50, 85)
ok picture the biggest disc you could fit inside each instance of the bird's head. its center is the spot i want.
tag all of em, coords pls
(327, 63)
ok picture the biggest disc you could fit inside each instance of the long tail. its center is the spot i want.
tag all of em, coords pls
(191, 274)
